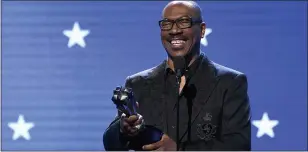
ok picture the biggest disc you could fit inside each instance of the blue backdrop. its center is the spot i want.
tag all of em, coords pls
(58, 82)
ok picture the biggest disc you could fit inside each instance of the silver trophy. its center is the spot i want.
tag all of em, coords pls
(125, 102)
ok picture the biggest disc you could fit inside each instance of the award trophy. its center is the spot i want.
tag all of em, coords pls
(125, 102)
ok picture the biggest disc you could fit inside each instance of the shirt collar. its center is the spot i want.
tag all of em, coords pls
(190, 70)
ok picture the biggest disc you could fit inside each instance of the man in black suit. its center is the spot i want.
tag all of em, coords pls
(214, 104)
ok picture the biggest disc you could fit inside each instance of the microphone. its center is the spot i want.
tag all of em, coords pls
(179, 67)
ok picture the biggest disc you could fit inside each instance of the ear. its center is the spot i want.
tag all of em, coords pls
(203, 27)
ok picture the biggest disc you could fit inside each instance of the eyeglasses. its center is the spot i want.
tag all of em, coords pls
(182, 23)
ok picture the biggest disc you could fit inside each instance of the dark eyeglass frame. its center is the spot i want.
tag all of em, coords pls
(193, 21)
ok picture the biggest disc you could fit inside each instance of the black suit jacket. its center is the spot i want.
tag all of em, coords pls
(220, 118)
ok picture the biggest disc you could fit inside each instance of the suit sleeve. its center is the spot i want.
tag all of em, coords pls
(113, 140)
(236, 123)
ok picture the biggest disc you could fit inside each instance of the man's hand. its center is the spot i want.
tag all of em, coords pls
(165, 144)
(130, 125)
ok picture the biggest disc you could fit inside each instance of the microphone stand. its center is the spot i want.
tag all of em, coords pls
(178, 82)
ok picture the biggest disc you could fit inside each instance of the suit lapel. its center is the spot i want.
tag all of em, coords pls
(205, 82)
(153, 88)
(155, 79)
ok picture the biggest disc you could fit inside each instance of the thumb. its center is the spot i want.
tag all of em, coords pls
(153, 146)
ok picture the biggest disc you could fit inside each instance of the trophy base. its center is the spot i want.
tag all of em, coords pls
(148, 135)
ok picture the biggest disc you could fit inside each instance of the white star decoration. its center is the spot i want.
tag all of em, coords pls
(204, 41)
(21, 128)
(265, 126)
(76, 36)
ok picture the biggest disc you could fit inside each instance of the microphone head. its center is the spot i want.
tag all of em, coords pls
(179, 64)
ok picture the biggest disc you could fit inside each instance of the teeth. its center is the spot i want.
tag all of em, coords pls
(177, 42)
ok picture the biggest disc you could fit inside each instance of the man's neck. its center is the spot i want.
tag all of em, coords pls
(190, 60)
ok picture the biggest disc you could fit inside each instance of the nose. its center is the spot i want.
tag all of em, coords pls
(175, 30)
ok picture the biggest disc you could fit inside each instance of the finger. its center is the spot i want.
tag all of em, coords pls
(153, 146)
(132, 127)
(124, 117)
(160, 149)
(126, 126)
(132, 131)
(132, 119)
(149, 147)
(139, 121)
(138, 124)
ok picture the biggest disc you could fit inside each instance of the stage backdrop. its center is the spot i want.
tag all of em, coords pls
(61, 61)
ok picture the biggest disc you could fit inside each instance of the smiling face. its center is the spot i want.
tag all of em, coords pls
(181, 30)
